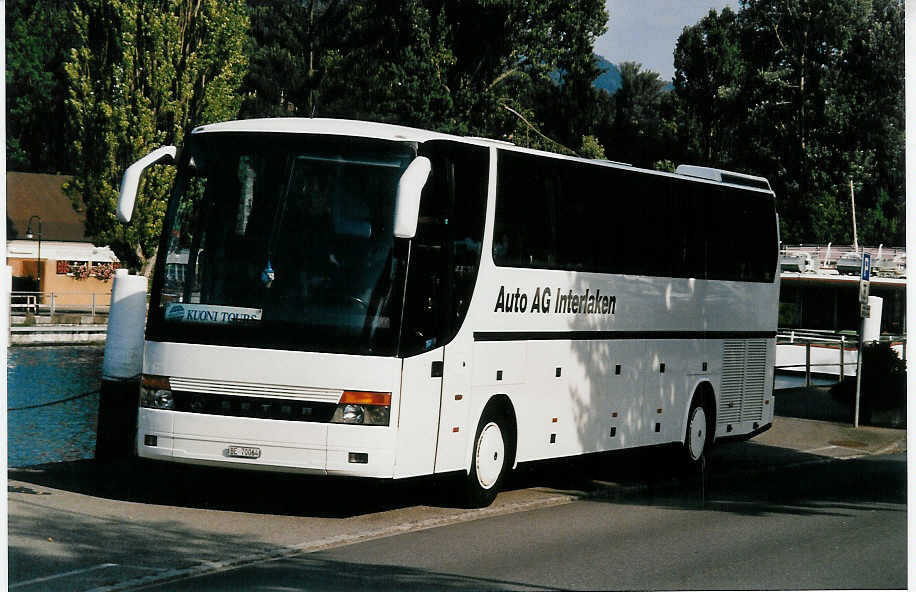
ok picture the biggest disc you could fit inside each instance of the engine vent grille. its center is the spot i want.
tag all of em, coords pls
(744, 373)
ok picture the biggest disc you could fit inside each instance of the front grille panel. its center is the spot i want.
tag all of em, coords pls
(254, 407)
(247, 389)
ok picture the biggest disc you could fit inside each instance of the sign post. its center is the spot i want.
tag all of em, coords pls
(864, 280)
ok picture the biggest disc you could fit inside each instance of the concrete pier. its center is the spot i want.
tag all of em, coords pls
(57, 334)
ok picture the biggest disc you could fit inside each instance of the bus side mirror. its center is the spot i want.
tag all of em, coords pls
(130, 182)
(407, 200)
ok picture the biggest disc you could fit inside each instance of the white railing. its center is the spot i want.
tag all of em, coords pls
(846, 344)
(51, 303)
(886, 261)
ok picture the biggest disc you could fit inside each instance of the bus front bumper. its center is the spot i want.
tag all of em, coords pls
(269, 445)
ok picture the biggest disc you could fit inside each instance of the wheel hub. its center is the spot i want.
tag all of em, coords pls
(696, 434)
(490, 452)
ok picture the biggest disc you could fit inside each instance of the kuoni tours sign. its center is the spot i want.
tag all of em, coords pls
(210, 313)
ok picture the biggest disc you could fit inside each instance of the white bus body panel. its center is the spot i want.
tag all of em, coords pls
(579, 410)
(457, 424)
(285, 445)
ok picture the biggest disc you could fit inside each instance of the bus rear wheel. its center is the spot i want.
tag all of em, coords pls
(697, 438)
(489, 461)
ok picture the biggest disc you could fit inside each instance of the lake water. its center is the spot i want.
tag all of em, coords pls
(42, 374)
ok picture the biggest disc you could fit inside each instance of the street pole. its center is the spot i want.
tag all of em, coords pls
(29, 234)
(855, 418)
(852, 199)
(864, 281)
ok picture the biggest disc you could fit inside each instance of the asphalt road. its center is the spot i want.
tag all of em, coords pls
(836, 524)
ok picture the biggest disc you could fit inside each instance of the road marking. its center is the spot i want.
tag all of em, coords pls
(820, 449)
(858, 452)
(64, 575)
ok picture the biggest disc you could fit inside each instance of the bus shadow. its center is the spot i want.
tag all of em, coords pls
(743, 477)
(151, 482)
(758, 480)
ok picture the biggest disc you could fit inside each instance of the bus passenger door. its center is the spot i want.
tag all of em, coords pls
(418, 420)
(421, 352)
(421, 343)
(460, 181)
(442, 271)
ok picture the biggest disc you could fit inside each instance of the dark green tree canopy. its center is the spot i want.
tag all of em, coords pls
(809, 94)
(806, 93)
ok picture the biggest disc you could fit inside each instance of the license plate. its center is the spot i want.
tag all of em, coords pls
(243, 452)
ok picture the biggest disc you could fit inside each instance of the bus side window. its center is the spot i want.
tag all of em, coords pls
(525, 232)
(422, 323)
(467, 187)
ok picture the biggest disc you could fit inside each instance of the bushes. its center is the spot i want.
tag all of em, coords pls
(883, 382)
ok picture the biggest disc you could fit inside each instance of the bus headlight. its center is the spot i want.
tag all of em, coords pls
(156, 392)
(363, 408)
(353, 414)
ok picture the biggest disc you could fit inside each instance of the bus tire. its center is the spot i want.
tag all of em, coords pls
(697, 437)
(489, 461)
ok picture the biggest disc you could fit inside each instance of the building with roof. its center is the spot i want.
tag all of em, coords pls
(47, 246)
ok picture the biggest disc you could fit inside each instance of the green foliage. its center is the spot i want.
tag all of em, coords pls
(591, 148)
(709, 67)
(466, 68)
(883, 381)
(810, 95)
(807, 93)
(642, 129)
(141, 74)
(38, 33)
(293, 43)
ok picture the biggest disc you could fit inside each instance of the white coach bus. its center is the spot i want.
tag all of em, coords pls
(379, 301)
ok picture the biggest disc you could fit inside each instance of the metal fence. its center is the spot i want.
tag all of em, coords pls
(51, 303)
(842, 342)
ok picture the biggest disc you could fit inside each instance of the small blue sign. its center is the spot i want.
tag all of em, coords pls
(866, 266)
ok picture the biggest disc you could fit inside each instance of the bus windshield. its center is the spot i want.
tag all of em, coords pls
(283, 242)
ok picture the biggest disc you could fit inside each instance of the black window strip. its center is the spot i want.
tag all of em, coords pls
(616, 335)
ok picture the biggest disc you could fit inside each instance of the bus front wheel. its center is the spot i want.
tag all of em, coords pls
(489, 461)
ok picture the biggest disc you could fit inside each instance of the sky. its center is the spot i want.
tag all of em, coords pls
(646, 31)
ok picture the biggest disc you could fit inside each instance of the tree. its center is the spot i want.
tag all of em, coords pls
(708, 71)
(643, 128)
(142, 74)
(467, 67)
(390, 66)
(292, 43)
(799, 112)
(38, 35)
(809, 95)
(870, 111)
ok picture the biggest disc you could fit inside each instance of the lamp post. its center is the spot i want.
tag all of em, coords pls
(30, 235)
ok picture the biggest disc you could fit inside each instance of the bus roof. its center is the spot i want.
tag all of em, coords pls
(331, 127)
(387, 131)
